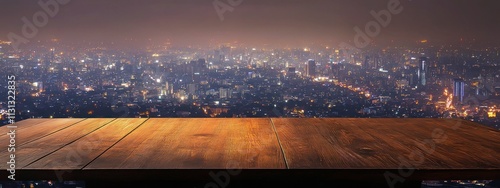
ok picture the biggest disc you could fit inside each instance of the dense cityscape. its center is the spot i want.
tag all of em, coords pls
(421, 80)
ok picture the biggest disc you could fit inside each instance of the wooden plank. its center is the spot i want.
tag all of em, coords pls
(80, 153)
(439, 143)
(450, 144)
(28, 153)
(36, 129)
(25, 124)
(196, 144)
(328, 144)
(385, 144)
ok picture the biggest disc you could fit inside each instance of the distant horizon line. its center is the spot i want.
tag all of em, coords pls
(238, 44)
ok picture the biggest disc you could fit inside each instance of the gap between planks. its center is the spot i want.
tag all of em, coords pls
(85, 166)
(52, 133)
(279, 142)
(67, 144)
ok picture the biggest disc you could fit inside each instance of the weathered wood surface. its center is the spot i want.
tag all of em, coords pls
(76, 155)
(387, 144)
(196, 144)
(39, 148)
(85, 146)
(34, 129)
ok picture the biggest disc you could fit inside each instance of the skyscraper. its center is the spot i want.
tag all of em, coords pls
(197, 69)
(458, 90)
(411, 74)
(192, 89)
(366, 63)
(311, 68)
(376, 62)
(169, 89)
(422, 71)
(225, 93)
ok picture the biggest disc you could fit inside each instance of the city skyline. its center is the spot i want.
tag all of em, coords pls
(240, 81)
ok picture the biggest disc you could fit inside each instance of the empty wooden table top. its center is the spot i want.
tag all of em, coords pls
(264, 143)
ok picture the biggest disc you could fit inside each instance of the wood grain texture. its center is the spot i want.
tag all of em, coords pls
(25, 124)
(81, 152)
(388, 144)
(36, 129)
(196, 144)
(166, 144)
(30, 152)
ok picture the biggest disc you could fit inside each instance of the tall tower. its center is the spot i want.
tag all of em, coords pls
(366, 63)
(376, 62)
(458, 90)
(311, 68)
(422, 71)
(169, 88)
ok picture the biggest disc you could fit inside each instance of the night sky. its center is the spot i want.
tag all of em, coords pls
(274, 22)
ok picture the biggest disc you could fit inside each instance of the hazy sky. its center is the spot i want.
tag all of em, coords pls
(283, 22)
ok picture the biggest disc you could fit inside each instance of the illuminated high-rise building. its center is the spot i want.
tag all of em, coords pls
(376, 62)
(366, 63)
(458, 90)
(197, 69)
(225, 93)
(192, 89)
(311, 68)
(169, 88)
(422, 71)
(412, 77)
